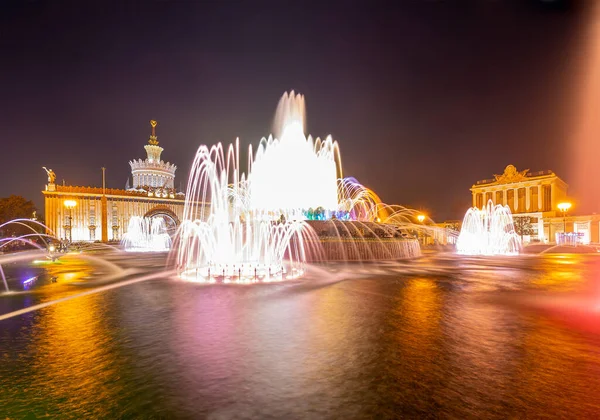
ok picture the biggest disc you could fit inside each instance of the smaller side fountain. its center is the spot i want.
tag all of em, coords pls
(489, 231)
(146, 234)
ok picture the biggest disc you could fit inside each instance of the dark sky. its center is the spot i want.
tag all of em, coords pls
(425, 97)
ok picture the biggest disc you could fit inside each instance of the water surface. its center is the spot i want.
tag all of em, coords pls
(442, 336)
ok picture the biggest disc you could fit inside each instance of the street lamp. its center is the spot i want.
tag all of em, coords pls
(70, 204)
(421, 218)
(564, 208)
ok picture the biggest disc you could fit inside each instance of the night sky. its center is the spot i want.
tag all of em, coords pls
(425, 97)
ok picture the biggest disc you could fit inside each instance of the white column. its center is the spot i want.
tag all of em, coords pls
(527, 199)
(516, 200)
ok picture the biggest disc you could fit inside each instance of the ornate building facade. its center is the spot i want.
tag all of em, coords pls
(536, 196)
(103, 214)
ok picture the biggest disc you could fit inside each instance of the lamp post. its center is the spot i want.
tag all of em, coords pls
(70, 204)
(564, 208)
(421, 218)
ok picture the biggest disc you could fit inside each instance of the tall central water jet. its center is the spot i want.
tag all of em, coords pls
(293, 173)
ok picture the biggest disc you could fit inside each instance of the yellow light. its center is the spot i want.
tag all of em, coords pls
(70, 204)
(51, 248)
(420, 218)
(564, 206)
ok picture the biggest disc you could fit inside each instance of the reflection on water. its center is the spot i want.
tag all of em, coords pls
(435, 337)
(71, 341)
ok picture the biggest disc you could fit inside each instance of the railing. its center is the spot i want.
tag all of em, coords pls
(486, 181)
(108, 191)
(540, 173)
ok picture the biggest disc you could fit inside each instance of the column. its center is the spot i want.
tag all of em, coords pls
(104, 219)
(552, 196)
(516, 200)
(527, 199)
(540, 202)
(47, 215)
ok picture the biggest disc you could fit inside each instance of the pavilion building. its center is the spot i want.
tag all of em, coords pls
(103, 214)
(536, 195)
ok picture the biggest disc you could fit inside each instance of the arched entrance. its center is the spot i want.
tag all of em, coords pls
(170, 218)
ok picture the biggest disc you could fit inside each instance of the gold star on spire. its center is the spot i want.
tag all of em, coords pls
(153, 140)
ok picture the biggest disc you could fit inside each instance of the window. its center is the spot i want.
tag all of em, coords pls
(115, 219)
(510, 200)
(92, 214)
(533, 201)
(488, 196)
(546, 198)
(479, 200)
(521, 201)
(500, 197)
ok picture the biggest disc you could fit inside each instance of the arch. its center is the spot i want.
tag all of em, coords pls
(163, 211)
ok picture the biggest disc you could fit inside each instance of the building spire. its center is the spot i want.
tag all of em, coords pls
(153, 140)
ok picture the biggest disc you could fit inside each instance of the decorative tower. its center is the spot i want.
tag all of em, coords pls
(152, 174)
(152, 148)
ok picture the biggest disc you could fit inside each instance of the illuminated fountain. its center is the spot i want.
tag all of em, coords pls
(249, 228)
(146, 235)
(489, 231)
(28, 239)
(293, 173)
(227, 238)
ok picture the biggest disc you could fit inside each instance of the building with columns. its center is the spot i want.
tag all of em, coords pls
(103, 214)
(536, 195)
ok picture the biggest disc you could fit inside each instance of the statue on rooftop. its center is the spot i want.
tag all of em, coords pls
(51, 175)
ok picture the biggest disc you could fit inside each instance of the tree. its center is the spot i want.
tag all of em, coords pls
(523, 226)
(15, 207)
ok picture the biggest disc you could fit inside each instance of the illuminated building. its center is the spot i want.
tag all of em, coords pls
(152, 172)
(536, 195)
(102, 214)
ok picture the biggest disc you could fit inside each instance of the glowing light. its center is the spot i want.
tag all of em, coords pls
(43, 262)
(70, 204)
(564, 207)
(420, 218)
(30, 280)
(489, 231)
